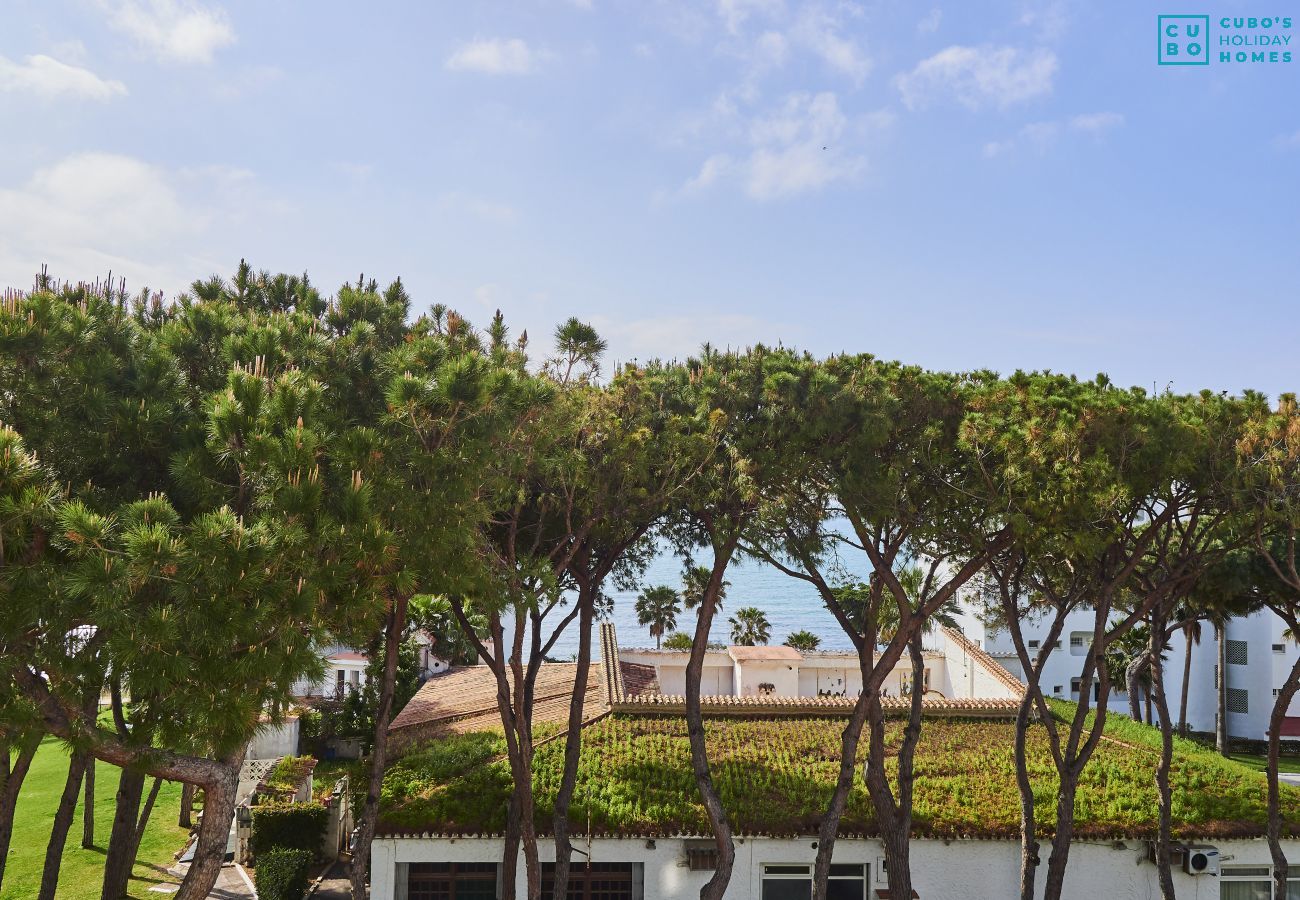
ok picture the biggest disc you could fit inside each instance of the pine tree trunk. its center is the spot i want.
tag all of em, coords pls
(1060, 857)
(186, 817)
(1187, 682)
(894, 815)
(1281, 870)
(88, 808)
(1029, 859)
(830, 824)
(573, 746)
(1221, 723)
(11, 781)
(510, 851)
(214, 832)
(395, 625)
(716, 886)
(77, 764)
(144, 816)
(1164, 842)
(120, 858)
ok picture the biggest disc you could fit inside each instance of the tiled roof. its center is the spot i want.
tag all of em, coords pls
(985, 707)
(464, 699)
(746, 654)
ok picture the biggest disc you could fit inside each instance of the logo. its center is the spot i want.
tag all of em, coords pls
(1183, 40)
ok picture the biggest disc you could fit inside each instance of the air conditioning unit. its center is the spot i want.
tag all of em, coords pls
(1201, 861)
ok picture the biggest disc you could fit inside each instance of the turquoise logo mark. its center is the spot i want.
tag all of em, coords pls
(1184, 40)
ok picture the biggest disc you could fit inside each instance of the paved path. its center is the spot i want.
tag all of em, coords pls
(233, 883)
(335, 884)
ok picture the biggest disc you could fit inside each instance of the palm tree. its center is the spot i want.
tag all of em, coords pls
(694, 580)
(803, 641)
(749, 627)
(658, 607)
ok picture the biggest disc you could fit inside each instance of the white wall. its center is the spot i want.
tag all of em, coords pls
(1264, 671)
(273, 741)
(956, 870)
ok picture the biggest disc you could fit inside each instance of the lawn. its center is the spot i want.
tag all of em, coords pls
(82, 870)
(1259, 762)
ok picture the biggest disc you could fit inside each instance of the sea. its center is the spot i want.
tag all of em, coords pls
(790, 604)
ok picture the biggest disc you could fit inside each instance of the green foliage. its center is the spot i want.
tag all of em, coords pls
(775, 777)
(297, 826)
(678, 640)
(281, 874)
(657, 607)
(749, 626)
(803, 640)
(288, 773)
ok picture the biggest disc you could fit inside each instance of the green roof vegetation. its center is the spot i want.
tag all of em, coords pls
(775, 778)
(288, 773)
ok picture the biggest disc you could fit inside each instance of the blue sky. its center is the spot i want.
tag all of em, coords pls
(978, 184)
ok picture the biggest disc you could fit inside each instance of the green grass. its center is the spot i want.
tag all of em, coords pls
(82, 871)
(1259, 762)
(775, 777)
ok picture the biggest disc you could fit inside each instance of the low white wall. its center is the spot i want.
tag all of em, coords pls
(956, 870)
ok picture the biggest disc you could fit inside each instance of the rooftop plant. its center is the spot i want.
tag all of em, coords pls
(775, 777)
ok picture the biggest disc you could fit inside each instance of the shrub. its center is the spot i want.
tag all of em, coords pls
(281, 874)
(297, 827)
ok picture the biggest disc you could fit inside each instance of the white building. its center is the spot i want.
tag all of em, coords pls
(1258, 656)
(773, 686)
(426, 867)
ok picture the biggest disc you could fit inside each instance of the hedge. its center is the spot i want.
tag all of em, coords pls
(300, 826)
(281, 874)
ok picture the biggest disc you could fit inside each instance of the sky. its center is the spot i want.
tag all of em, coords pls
(963, 185)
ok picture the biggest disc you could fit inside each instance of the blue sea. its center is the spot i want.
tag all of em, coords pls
(789, 603)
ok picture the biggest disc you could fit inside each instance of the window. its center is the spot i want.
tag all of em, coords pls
(1238, 700)
(1279, 648)
(905, 683)
(781, 882)
(701, 856)
(1056, 689)
(596, 881)
(1252, 883)
(1074, 685)
(451, 881)
(1033, 645)
(1236, 652)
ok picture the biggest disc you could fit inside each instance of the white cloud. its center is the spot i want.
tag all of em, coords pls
(490, 211)
(977, 77)
(46, 77)
(822, 33)
(930, 22)
(496, 56)
(1050, 20)
(92, 212)
(1040, 136)
(735, 13)
(172, 30)
(1288, 141)
(794, 149)
(1095, 123)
